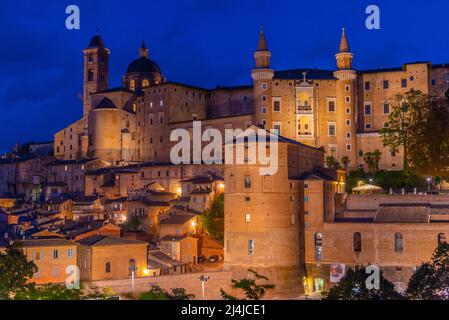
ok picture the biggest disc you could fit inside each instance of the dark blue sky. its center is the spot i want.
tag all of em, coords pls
(199, 42)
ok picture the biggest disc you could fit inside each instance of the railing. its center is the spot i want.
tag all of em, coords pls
(304, 109)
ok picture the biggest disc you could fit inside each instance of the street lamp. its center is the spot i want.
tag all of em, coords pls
(133, 270)
(203, 280)
(429, 181)
(371, 180)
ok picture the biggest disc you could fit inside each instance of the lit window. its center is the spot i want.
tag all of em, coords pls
(134, 107)
(132, 85)
(248, 217)
(145, 83)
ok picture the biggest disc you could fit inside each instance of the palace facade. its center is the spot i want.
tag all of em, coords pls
(340, 110)
(298, 227)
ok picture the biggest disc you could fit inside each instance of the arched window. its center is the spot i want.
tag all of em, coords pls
(398, 242)
(442, 239)
(90, 75)
(134, 107)
(357, 242)
(318, 247)
(145, 83)
(132, 85)
(107, 267)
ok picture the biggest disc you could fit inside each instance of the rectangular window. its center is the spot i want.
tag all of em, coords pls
(264, 110)
(70, 253)
(264, 86)
(386, 84)
(404, 83)
(331, 106)
(367, 86)
(37, 255)
(277, 104)
(277, 128)
(434, 82)
(55, 254)
(333, 151)
(347, 88)
(247, 217)
(368, 110)
(348, 122)
(368, 126)
(332, 129)
(348, 135)
(251, 247)
(348, 147)
(348, 99)
(386, 108)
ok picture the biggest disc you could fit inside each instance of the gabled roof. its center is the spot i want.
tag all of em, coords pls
(99, 241)
(106, 103)
(178, 219)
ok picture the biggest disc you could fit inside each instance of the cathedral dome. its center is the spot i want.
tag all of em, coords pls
(96, 42)
(143, 65)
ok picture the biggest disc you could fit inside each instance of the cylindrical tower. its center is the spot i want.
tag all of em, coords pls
(104, 130)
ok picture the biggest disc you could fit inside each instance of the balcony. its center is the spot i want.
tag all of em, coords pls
(304, 109)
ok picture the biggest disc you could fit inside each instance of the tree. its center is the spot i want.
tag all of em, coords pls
(431, 279)
(332, 163)
(96, 293)
(48, 292)
(353, 287)
(212, 219)
(372, 160)
(15, 271)
(418, 124)
(428, 146)
(396, 132)
(157, 293)
(132, 224)
(345, 161)
(423, 284)
(251, 289)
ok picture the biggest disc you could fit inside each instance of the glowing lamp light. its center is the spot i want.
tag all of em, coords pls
(193, 224)
(146, 272)
(179, 191)
(221, 186)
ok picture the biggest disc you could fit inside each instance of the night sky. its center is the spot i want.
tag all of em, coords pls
(198, 42)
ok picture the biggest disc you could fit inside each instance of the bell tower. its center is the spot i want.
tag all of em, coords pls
(96, 70)
(262, 76)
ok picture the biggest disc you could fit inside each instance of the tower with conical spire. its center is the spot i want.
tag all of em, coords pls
(346, 101)
(262, 76)
(344, 56)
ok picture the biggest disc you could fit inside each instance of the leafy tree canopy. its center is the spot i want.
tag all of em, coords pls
(251, 289)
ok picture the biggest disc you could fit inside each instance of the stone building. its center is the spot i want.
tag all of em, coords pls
(340, 110)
